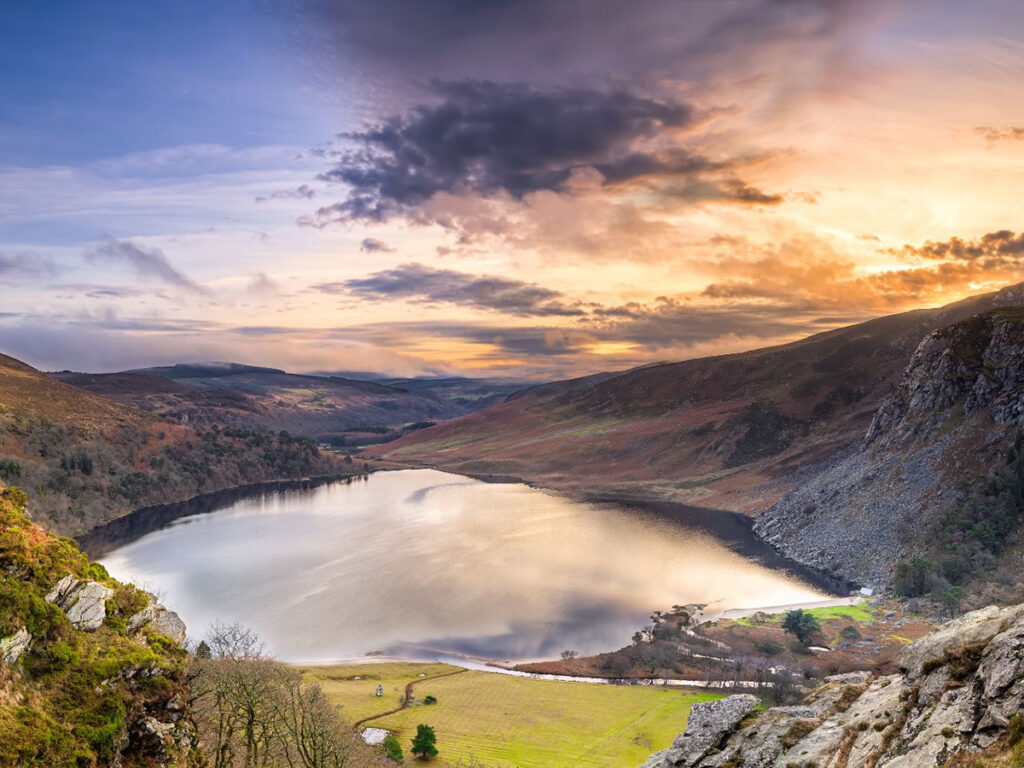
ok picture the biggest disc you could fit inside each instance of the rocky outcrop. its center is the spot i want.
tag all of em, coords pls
(709, 723)
(959, 690)
(84, 602)
(974, 364)
(960, 403)
(11, 648)
(159, 619)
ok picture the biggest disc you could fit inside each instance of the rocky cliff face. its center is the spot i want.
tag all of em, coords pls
(957, 409)
(960, 694)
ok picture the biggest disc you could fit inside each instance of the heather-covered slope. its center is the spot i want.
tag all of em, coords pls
(84, 460)
(334, 409)
(727, 432)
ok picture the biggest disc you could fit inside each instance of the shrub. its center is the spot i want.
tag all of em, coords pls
(392, 748)
(430, 700)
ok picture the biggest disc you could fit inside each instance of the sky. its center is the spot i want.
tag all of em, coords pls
(496, 188)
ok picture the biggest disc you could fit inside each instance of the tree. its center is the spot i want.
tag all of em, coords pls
(801, 624)
(569, 655)
(424, 743)
(392, 749)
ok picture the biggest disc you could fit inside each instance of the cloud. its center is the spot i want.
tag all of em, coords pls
(485, 138)
(147, 262)
(262, 285)
(993, 134)
(807, 274)
(419, 283)
(302, 192)
(24, 265)
(373, 245)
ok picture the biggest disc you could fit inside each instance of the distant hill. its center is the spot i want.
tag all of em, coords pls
(736, 432)
(84, 459)
(335, 409)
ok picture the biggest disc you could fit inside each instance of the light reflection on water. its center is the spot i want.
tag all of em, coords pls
(428, 559)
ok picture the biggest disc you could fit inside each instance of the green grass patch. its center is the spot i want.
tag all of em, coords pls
(861, 612)
(507, 721)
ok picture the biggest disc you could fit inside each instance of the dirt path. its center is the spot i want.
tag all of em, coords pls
(407, 699)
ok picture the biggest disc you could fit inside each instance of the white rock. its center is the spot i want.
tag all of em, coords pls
(374, 735)
(12, 647)
(84, 602)
(160, 620)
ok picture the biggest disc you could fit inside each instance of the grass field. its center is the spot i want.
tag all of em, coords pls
(859, 612)
(507, 721)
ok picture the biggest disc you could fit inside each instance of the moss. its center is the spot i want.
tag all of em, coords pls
(849, 695)
(82, 686)
(796, 732)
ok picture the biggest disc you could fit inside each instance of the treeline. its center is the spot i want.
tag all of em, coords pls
(251, 710)
(77, 479)
(969, 536)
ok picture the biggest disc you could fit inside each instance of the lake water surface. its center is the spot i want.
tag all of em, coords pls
(423, 563)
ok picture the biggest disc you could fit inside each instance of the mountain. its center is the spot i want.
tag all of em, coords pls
(726, 431)
(933, 494)
(335, 409)
(844, 449)
(84, 459)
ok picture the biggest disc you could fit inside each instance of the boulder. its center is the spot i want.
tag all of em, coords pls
(970, 629)
(12, 647)
(710, 723)
(159, 619)
(84, 602)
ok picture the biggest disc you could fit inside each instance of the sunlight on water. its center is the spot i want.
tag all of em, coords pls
(433, 560)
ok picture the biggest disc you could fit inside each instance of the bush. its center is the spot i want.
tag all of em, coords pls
(430, 700)
(801, 624)
(393, 749)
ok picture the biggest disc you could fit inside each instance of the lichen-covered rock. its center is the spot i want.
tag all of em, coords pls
(160, 620)
(84, 602)
(11, 648)
(970, 629)
(709, 724)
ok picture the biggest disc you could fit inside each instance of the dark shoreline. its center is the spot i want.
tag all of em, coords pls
(136, 524)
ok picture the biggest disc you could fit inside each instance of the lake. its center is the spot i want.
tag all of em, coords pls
(422, 563)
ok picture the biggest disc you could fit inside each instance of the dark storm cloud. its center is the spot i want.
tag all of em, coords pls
(392, 41)
(486, 137)
(147, 262)
(420, 283)
(373, 245)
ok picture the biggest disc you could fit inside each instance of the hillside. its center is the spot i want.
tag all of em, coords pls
(335, 409)
(85, 460)
(91, 671)
(933, 496)
(728, 432)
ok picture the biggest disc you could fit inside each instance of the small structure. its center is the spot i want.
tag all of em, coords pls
(380, 690)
